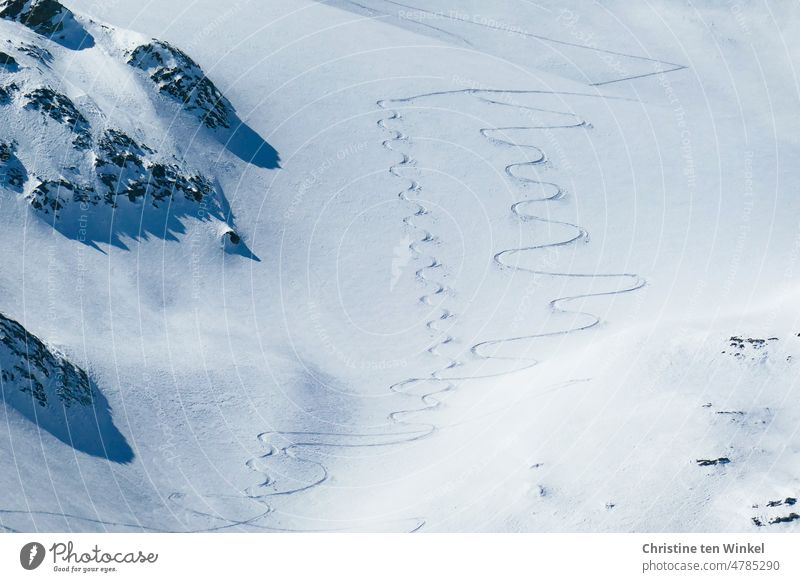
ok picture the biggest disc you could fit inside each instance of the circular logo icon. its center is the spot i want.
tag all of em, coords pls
(31, 555)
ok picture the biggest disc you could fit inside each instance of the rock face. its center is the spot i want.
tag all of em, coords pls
(179, 77)
(76, 148)
(32, 368)
(50, 19)
(57, 395)
(126, 168)
(7, 93)
(124, 171)
(8, 62)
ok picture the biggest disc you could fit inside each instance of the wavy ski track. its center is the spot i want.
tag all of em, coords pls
(293, 441)
(427, 390)
(282, 448)
(500, 137)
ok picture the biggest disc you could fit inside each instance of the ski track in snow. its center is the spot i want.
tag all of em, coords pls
(271, 485)
(453, 16)
(500, 258)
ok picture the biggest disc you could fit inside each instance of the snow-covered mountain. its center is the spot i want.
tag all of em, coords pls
(79, 148)
(451, 266)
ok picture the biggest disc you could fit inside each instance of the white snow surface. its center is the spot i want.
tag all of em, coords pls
(523, 267)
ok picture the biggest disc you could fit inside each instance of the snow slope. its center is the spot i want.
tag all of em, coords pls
(520, 267)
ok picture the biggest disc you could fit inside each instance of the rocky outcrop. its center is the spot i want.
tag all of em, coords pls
(7, 93)
(48, 18)
(60, 397)
(30, 367)
(123, 168)
(179, 77)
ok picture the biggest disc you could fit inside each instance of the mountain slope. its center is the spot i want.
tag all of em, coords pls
(523, 267)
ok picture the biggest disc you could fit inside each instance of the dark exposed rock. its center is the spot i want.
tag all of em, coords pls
(749, 348)
(50, 196)
(167, 178)
(119, 149)
(779, 502)
(178, 76)
(122, 168)
(9, 62)
(60, 108)
(784, 519)
(42, 16)
(32, 368)
(48, 18)
(710, 462)
(7, 93)
(56, 395)
(12, 173)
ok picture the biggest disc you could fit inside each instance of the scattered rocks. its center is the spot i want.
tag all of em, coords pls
(760, 522)
(51, 196)
(710, 462)
(779, 502)
(61, 109)
(749, 348)
(123, 169)
(39, 54)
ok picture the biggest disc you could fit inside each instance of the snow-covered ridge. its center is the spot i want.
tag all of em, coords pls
(48, 18)
(45, 387)
(100, 181)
